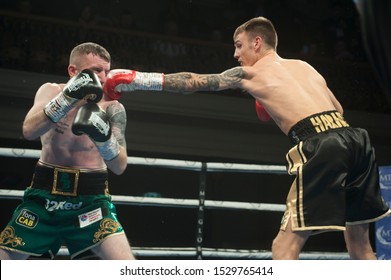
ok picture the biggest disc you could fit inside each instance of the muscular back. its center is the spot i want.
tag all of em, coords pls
(290, 90)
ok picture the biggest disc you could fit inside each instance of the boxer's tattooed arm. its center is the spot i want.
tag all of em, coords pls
(232, 77)
(117, 115)
(190, 82)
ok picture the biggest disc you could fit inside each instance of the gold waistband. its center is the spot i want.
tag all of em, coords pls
(317, 123)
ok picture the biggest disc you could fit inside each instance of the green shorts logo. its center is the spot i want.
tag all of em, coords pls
(27, 218)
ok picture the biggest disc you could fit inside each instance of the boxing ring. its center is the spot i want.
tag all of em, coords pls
(201, 205)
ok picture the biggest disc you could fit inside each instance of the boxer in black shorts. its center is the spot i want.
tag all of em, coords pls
(330, 157)
(331, 192)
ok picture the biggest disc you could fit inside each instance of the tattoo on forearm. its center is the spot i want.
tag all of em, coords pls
(117, 115)
(190, 82)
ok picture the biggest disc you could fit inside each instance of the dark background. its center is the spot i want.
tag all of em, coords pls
(170, 36)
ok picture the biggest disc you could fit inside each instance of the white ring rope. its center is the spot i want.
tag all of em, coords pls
(171, 202)
(177, 164)
(152, 201)
(192, 203)
(25, 153)
(251, 168)
(189, 252)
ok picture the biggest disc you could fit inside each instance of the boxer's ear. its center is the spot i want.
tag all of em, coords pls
(258, 42)
(72, 70)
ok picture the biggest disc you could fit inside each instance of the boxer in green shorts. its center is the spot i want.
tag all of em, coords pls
(44, 222)
(82, 135)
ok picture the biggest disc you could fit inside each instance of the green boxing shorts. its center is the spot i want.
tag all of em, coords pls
(44, 221)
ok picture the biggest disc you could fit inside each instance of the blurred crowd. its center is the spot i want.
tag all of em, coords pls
(183, 35)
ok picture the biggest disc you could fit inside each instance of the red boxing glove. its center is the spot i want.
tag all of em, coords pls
(121, 80)
(115, 78)
(261, 112)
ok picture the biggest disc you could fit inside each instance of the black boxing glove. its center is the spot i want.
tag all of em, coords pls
(85, 85)
(93, 121)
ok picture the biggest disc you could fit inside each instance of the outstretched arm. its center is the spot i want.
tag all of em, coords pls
(120, 81)
(190, 82)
